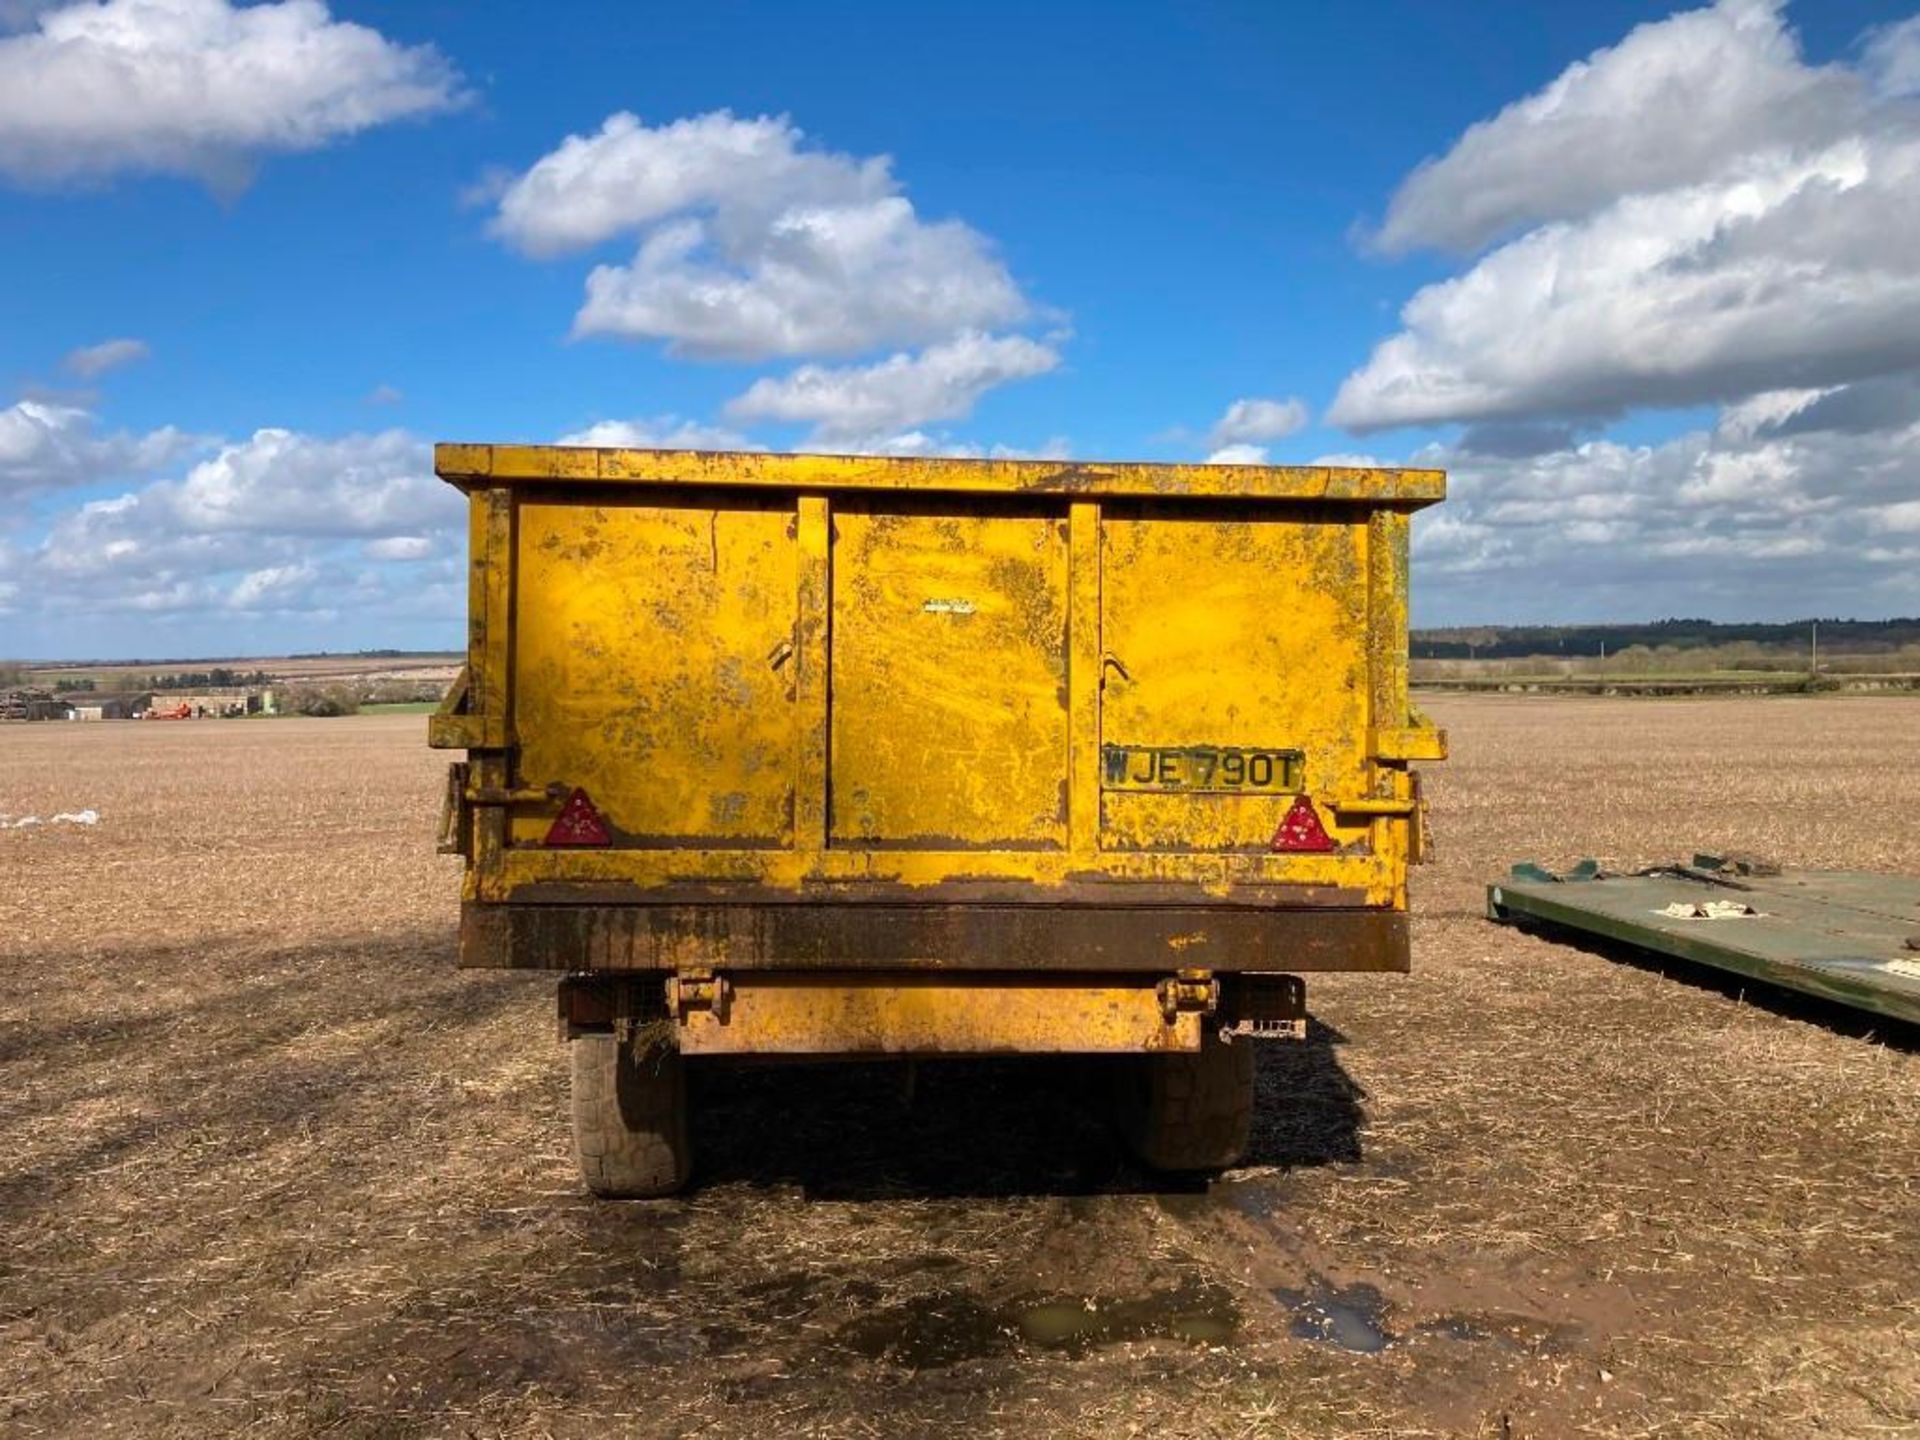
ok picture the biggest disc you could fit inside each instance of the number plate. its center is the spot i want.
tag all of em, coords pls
(1207, 769)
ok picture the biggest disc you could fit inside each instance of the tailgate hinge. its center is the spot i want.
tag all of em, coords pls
(691, 990)
(1188, 990)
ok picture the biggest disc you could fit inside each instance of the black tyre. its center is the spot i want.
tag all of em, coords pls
(1189, 1113)
(629, 1118)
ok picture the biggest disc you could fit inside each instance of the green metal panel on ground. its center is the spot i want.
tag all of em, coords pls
(1846, 935)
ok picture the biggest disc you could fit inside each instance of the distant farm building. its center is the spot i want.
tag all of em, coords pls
(26, 704)
(208, 703)
(92, 705)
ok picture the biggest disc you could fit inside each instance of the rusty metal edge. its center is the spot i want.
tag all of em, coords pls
(1024, 938)
(469, 464)
(1097, 894)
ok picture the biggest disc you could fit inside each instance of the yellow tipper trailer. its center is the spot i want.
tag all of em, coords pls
(824, 755)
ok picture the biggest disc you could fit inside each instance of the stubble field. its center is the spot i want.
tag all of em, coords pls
(268, 1163)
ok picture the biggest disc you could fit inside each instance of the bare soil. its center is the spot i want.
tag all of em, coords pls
(268, 1163)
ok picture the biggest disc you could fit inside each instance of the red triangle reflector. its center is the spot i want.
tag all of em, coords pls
(578, 823)
(1302, 830)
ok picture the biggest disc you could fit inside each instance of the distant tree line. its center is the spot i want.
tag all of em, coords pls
(218, 678)
(1496, 642)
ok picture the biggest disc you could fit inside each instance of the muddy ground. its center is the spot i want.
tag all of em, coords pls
(268, 1163)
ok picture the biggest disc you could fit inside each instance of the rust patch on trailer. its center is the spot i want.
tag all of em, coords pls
(980, 937)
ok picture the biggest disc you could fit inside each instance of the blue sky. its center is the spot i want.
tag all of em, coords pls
(1638, 307)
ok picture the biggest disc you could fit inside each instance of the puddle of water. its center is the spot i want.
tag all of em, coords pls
(1197, 1314)
(1520, 1334)
(930, 1332)
(1353, 1319)
(946, 1328)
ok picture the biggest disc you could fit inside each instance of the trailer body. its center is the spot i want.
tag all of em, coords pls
(846, 755)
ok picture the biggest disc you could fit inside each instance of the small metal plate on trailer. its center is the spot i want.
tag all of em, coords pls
(1839, 934)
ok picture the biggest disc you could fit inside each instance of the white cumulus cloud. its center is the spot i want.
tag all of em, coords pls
(1666, 107)
(278, 540)
(201, 88)
(938, 445)
(282, 482)
(1254, 420)
(662, 432)
(399, 547)
(629, 175)
(1798, 499)
(912, 444)
(1712, 218)
(902, 392)
(280, 522)
(274, 588)
(1238, 454)
(750, 244)
(44, 446)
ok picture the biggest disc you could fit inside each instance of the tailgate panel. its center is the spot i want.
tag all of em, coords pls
(646, 638)
(1227, 630)
(949, 663)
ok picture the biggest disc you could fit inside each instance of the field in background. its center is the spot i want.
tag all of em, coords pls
(268, 1164)
(329, 685)
(1673, 657)
(118, 675)
(1709, 660)
(377, 681)
(1675, 673)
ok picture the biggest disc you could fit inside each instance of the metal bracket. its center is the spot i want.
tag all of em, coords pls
(454, 726)
(488, 795)
(697, 990)
(1195, 990)
(1372, 806)
(453, 833)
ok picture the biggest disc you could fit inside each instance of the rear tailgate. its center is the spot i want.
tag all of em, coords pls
(782, 677)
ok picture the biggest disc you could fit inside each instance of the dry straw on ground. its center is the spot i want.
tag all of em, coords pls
(269, 1164)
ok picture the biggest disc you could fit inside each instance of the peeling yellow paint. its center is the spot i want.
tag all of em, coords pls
(644, 638)
(852, 1015)
(949, 723)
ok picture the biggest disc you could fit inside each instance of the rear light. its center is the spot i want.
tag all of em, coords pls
(1302, 831)
(578, 823)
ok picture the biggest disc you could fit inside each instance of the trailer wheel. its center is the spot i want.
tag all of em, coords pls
(629, 1118)
(1187, 1113)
